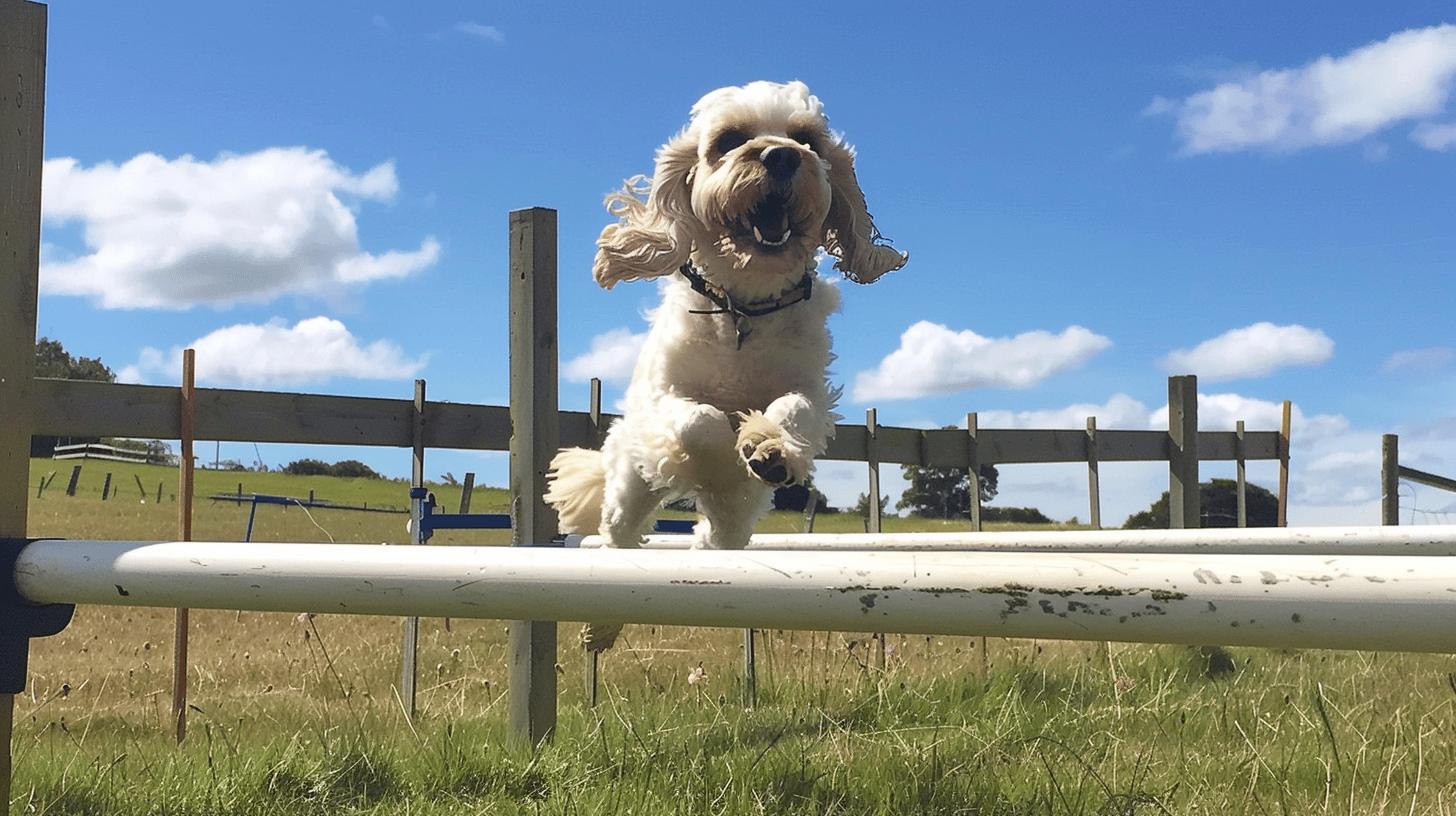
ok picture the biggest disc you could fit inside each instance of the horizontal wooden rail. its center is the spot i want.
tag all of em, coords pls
(80, 408)
(1427, 479)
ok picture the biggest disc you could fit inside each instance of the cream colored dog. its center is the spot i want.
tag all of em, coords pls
(729, 398)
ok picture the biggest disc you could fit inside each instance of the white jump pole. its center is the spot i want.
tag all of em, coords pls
(1428, 540)
(1394, 603)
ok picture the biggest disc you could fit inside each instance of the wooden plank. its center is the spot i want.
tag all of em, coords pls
(22, 124)
(1390, 479)
(535, 424)
(1427, 479)
(1183, 499)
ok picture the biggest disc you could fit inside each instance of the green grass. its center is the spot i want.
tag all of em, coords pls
(297, 715)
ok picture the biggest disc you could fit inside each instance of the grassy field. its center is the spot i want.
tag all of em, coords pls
(297, 714)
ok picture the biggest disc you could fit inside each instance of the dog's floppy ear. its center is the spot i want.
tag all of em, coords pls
(653, 236)
(849, 231)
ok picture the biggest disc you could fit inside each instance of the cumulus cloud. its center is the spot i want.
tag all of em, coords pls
(1253, 351)
(1332, 100)
(488, 33)
(934, 359)
(274, 354)
(610, 358)
(176, 233)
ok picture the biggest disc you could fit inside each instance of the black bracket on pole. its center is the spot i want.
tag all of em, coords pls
(21, 620)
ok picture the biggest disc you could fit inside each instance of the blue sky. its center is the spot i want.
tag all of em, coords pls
(1259, 195)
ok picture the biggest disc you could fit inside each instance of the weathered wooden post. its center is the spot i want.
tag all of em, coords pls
(188, 414)
(1240, 474)
(1183, 500)
(1094, 484)
(1284, 440)
(973, 466)
(410, 638)
(22, 120)
(535, 434)
(1390, 479)
(74, 481)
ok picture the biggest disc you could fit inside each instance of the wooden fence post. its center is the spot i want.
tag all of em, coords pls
(1240, 474)
(973, 468)
(74, 481)
(1183, 499)
(535, 435)
(1390, 479)
(594, 413)
(1284, 430)
(22, 121)
(410, 645)
(184, 524)
(106, 487)
(466, 489)
(872, 460)
(141, 489)
(1094, 486)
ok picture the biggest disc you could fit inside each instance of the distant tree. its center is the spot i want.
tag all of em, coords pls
(941, 492)
(52, 360)
(1218, 502)
(862, 505)
(796, 498)
(1015, 515)
(230, 464)
(308, 467)
(354, 469)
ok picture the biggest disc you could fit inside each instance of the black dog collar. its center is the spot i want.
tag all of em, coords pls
(724, 300)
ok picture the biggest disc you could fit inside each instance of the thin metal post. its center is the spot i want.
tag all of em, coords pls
(535, 433)
(1239, 465)
(1183, 509)
(1094, 487)
(22, 125)
(410, 646)
(1390, 479)
(184, 524)
(1284, 434)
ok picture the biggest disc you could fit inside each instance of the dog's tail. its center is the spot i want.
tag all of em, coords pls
(575, 485)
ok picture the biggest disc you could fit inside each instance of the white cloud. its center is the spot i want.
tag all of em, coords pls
(1253, 351)
(1331, 100)
(1433, 136)
(274, 354)
(933, 359)
(1420, 361)
(1120, 411)
(175, 233)
(611, 357)
(489, 33)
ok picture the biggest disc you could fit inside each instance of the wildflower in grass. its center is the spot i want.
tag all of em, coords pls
(698, 675)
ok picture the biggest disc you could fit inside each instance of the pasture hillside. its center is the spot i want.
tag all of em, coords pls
(295, 714)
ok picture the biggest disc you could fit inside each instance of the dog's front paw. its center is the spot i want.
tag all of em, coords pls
(768, 454)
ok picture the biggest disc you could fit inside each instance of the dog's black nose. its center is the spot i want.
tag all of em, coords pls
(781, 162)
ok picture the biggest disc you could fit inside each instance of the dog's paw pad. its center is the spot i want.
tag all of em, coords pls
(766, 461)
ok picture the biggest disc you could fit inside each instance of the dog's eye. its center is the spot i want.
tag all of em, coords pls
(729, 140)
(803, 137)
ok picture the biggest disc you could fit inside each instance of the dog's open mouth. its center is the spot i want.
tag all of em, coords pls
(769, 221)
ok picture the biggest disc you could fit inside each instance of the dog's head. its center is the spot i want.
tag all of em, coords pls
(756, 179)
